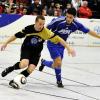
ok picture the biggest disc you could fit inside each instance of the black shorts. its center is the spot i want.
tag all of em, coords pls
(32, 54)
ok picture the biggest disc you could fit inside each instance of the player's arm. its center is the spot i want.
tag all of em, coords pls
(20, 34)
(86, 30)
(94, 34)
(12, 38)
(57, 39)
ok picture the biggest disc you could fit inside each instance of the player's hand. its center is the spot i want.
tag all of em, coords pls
(71, 52)
(3, 47)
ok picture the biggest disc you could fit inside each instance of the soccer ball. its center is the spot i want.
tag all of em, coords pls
(20, 80)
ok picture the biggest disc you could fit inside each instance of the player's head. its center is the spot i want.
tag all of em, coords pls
(39, 22)
(70, 14)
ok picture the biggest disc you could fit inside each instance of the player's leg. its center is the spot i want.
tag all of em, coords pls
(57, 62)
(33, 61)
(10, 69)
(29, 70)
(17, 81)
(19, 65)
(56, 54)
(58, 69)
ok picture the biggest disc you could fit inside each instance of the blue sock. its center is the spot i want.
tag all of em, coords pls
(57, 70)
(48, 63)
(58, 74)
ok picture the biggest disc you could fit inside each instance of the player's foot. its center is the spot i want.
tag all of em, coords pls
(42, 65)
(59, 84)
(6, 71)
(13, 84)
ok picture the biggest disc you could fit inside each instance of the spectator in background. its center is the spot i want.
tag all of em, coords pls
(44, 12)
(49, 3)
(35, 12)
(98, 6)
(58, 9)
(50, 10)
(23, 1)
(24, 11)
(84, 11)
(76, 3)
(64, 3)
(10, 9)
(55, 13)
(1, 9)
(58, 6)
(35, 7)
(68, 5)
(43, 2)
(20, 9)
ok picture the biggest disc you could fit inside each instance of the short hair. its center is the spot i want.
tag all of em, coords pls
(39, 17)
(72, 11)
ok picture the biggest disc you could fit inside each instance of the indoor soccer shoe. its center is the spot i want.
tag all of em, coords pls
(42, 66)
(59, 84)
(6, 71)
(13, 84)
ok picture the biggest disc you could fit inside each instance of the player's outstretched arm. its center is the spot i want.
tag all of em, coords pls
(70, 50)
(94, 34)
(12, 38)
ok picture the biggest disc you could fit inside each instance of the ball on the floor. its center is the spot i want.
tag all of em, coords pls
(20, 80)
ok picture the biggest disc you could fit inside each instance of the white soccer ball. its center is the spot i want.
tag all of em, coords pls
(20, 80)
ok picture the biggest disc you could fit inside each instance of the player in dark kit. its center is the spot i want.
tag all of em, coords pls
(35, 35)
(62, 26)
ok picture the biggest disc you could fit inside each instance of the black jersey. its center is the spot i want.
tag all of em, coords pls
(36, 38)
(31, 40)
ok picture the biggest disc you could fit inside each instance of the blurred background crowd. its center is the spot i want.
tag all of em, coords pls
(85, 8)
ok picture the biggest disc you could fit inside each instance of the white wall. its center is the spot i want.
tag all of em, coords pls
(77, 38)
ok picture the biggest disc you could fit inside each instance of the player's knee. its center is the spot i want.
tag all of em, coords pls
(31, 68)
(24, 64)
(58, 63)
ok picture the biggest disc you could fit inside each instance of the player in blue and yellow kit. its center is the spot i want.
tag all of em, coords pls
(62, 26)
(35, 35)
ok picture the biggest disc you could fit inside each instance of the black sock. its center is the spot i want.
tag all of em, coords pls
(16, 66)
(25, 73)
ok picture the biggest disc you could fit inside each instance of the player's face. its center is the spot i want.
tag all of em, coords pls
(39, 24)
(69, 18)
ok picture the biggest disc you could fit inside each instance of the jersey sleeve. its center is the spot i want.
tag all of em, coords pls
(52, 25)
(49, 35)
(22, 33)
(56, 39)
(82, 28)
